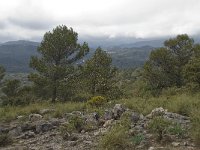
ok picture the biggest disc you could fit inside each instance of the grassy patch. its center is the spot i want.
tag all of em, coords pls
(115, 139)
(9, 113)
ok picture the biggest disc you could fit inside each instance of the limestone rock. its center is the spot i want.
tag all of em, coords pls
(34, 117)
(118, 110)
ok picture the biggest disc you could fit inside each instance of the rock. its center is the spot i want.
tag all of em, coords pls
(20, 117)
(27, 126)
(28, 135)
(158, 112)
(43, 127)
(108, 115)
(151, 148)
(108, 123)
(78, 113)
(177, 118)
(66, 136)
(46, 111)
(175, 144)
(135, 117)
(16, 131)
(118, 110)
(93, 117)
(88, 142)
(56, 122)
(70, 137)
(17, 148)
(4, 130)
(96, 116)
(131, 132)
(34, 117)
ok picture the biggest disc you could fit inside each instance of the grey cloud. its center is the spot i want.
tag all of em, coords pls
(33, 24)
(112, 19)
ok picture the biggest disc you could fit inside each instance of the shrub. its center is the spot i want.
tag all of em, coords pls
(75, 124)
(115, 139)
(97, 101)
(5, 140)
(176, 129)
(137, 139)
(159, 126)
(195, 130)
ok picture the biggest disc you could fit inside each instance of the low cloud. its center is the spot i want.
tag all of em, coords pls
(30, 19)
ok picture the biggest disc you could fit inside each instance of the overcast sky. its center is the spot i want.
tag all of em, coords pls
(30, 19)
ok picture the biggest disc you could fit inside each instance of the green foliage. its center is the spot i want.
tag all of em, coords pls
(115, 139)
(165, 65)
(59, 51)
(159, 126)
(2, 72)
(125, 120)
(176, 129)
(195, 129)
(75, 124)
(5, 140)
(137, 139)
(97, 101)
(191, 70)
(11, 88)
(99, 73)
(8, 113)
(15, 94)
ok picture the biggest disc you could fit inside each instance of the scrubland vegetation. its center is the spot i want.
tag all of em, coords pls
(63, 82)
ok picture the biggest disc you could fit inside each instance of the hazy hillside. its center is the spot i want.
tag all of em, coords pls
(130, 57)
(15, 55)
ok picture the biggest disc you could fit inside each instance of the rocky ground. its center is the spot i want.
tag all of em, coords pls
(39, 133)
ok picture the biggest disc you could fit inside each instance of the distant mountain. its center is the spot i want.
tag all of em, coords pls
(130, 57)
(21, 42)
(150, 43)
(15, 55)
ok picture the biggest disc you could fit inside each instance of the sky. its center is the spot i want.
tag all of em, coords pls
(30, 19)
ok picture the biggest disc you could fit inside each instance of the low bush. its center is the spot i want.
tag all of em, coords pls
(115, 139)
(176, 129)
(159, 126)
(5, 140)
(75, 124)
(137, 139)
(97, 101)
(195, 129)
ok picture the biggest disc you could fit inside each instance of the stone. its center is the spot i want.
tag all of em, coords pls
(16, 131)
(4, 130)
(55, 121)
(118, 110)
(20, 117)
(108, 123)
(151, 148)
(43, 127)
(135, 117)
(34, 117)
(17, 148)
(27, 126)
(28, 135)
(108, 115)
(158, 112)
(175, 144)
(177, 118)
(46, 111)
(78, 113)
(96, 116)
